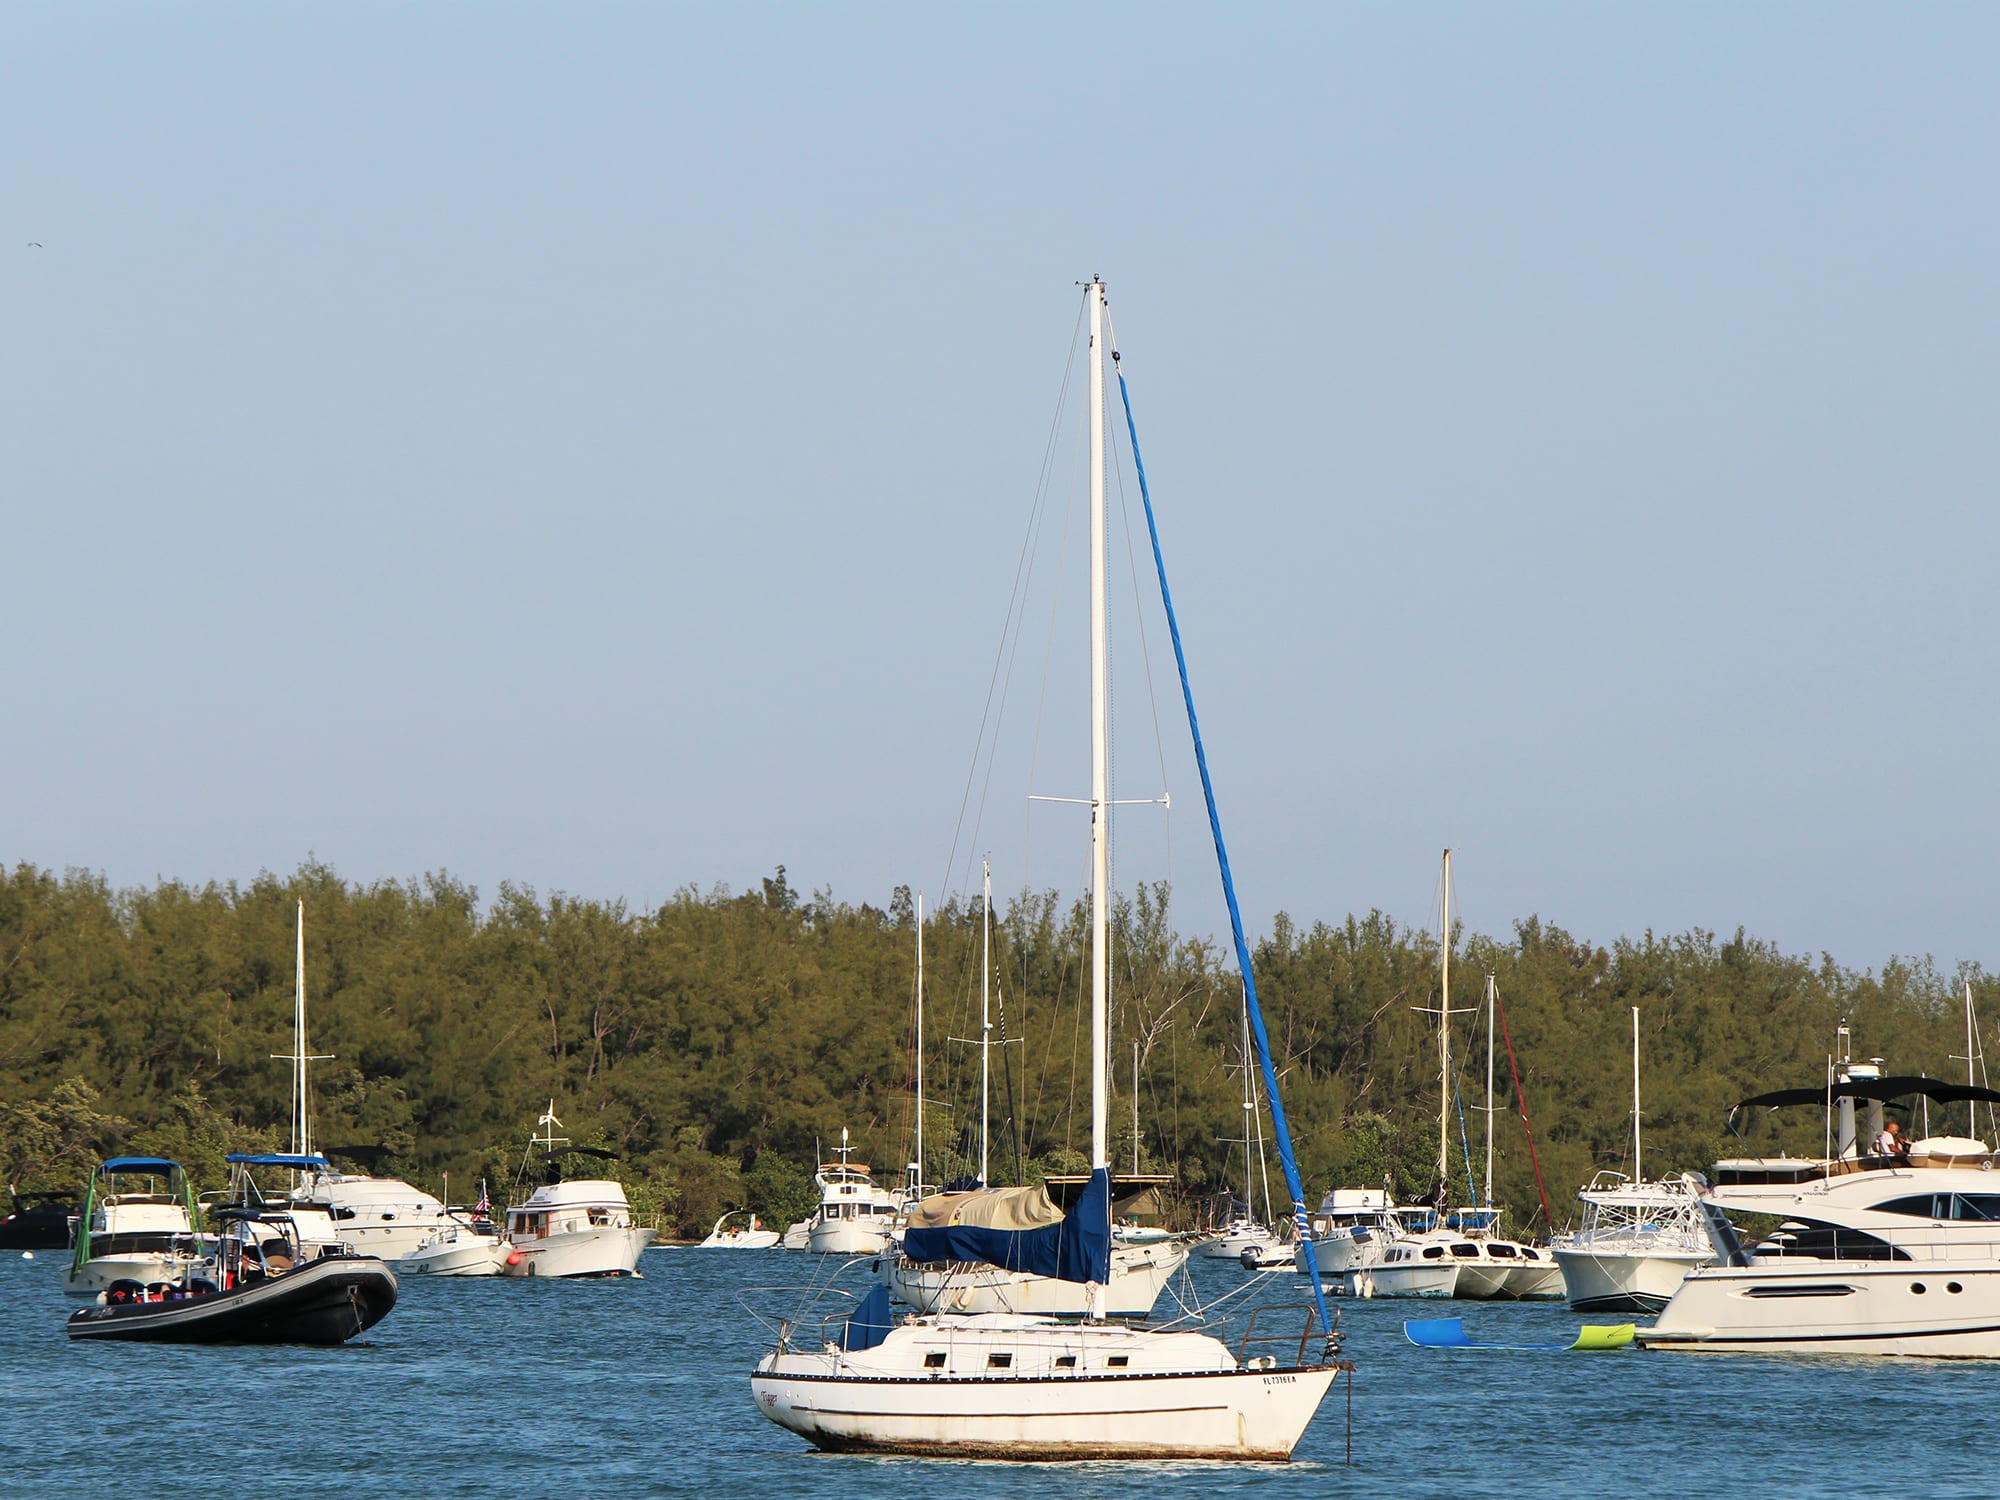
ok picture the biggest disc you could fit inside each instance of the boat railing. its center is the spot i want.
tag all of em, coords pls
(1259, 1332)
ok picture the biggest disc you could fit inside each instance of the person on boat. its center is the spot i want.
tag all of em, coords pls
(1891, 1146)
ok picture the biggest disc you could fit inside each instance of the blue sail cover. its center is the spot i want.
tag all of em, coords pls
(870, 1322)
(1077, 1249)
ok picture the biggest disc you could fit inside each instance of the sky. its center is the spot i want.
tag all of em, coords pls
(592, 446)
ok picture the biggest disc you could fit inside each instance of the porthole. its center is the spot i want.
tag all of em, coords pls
(1954, 1287)
(1917, 1287)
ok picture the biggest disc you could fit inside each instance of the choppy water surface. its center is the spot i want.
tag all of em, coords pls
(586, 1389)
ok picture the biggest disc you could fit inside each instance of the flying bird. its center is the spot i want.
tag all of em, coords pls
(34, 244)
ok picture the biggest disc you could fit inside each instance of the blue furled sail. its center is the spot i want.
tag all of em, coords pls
(1076, 1248)
(1280, 1131)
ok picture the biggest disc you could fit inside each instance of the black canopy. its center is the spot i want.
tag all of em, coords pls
(1935, 1089)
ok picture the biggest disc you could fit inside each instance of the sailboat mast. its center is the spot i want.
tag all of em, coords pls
(1971, 1108)
(918, 1185)
(1444, 1040)
(1249, 1110)
(301, 1135)
(985, 1021)
(1100, 759)
(1489, 1090)
(1638, 1169)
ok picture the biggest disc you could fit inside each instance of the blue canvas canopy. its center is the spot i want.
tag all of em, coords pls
(155, 1165)
(296, 1163)
(1078, 1248)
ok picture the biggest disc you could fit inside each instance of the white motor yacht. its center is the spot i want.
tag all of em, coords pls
(1638, 1239)
(854, 1215)
(1874, 1254)
(1350, 1229)
(1636, 1243)
(145, 1235)
(573, 1226)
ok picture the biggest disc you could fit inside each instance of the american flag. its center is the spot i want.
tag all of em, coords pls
(485, 1203)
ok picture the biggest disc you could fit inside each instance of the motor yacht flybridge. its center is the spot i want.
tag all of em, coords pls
(1000, 1385)
(1875, 1253)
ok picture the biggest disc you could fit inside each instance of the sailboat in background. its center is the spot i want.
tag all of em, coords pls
(1457, 1254)
(1140, 1270)
(1246, 1238)
(995, 1385)
(370, 1215)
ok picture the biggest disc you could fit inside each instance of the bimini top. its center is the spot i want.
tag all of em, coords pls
(151, 1165)
(1877, 1088)
(279, 1159)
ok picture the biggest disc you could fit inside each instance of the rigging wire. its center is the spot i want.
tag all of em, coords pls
(1016, 607)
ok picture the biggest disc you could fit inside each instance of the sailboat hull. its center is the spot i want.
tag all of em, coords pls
(1248, 1415)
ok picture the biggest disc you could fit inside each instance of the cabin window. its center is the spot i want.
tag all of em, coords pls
(1065, 1361)
(1500, 1252)
(999, 1361)
(1118, 1361)
(1434, 1252)
(1466, 1252)
(934, 1359)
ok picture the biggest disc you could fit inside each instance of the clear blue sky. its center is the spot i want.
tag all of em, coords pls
(590, 445)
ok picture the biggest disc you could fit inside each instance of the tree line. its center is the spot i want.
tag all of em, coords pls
(722, 1042)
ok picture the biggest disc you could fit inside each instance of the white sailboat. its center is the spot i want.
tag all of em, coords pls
(995, 1385)
(370, 1215)
(1247, 1238)
(1458, 1255)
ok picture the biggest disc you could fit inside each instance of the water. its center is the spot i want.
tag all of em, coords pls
(587, 1389)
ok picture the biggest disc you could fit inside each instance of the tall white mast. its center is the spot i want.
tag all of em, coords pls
(1100, 758)
(1100, 774)
(1638, 1170)
(1490, 991)
(1444, 1039)
(918, 1185)
(985, 1022)
(301, 1134)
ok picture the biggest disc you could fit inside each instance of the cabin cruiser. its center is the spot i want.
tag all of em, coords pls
(1875, 1253)
(144, 1234)
(1636, 1243)
(854, 1215)
(573, 1226)
(1350, 1229)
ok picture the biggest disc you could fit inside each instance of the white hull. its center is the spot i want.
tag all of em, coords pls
(847, 1237)
(1935, 1308)
(146, 1266)
(1139, 1273)
(583, 1252)
(1179, 1397)
(1422, 1279)
(1608, 1278)
(749, 1239)
(1231, 1245)
(473, 1256)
